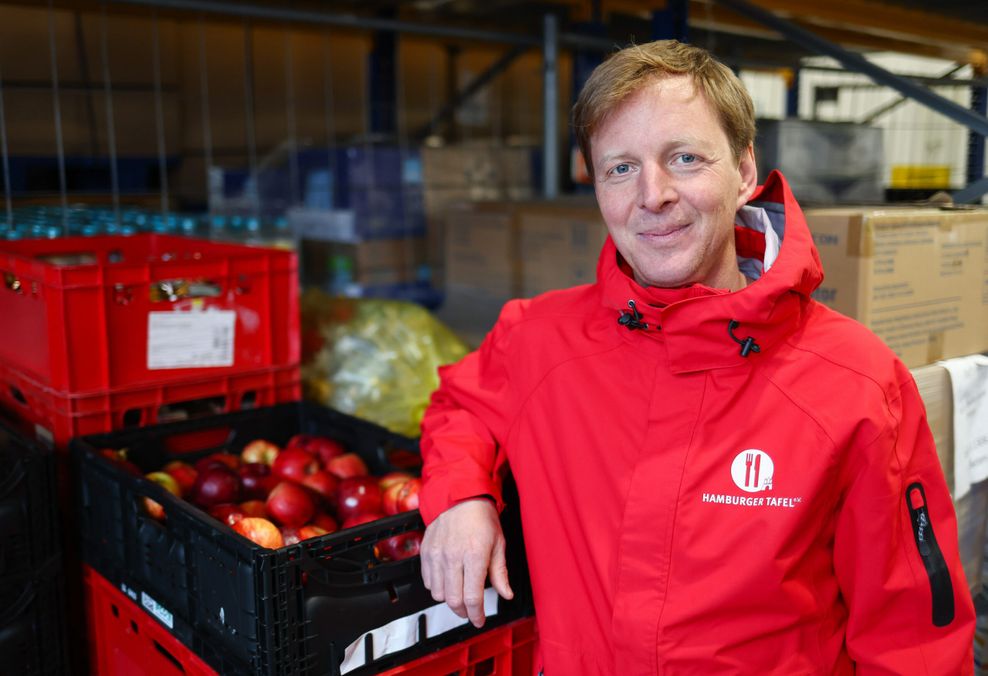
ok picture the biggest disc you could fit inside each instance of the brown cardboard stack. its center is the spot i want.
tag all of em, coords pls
(375, 262)
(917, 277)
(496, 251)
(972, 509)
(469, 173)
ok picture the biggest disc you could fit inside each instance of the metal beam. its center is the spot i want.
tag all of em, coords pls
(474, 86)
(971, 193)
(858, 63)
(550, 101)
(892, 105)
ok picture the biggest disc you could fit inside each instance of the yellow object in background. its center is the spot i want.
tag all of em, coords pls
(920, 176)
(373, 358)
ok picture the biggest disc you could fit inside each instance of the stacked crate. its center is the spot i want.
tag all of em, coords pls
(190, 592)
(113, 332)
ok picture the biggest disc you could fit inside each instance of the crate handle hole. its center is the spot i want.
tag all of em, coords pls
(248, 400)
(484, 667)
(18, 396)
(133, 627)
(171, 658)
(12, 282)
(114, 610)
(193, 408)
(132, 417)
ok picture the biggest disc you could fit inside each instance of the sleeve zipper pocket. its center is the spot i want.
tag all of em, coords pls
(941, 587)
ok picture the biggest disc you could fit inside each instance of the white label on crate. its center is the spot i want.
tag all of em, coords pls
(157, 610)
(969, 385)
(404, 632)
(190, 339)
(131, 594)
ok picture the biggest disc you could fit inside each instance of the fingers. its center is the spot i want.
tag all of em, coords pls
(499, 571)
(474, 576)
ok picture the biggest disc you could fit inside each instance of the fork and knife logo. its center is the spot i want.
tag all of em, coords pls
(753, 470)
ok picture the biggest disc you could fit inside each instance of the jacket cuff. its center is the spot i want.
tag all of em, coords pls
(438, 495)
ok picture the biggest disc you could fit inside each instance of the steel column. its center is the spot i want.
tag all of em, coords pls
(550, 102)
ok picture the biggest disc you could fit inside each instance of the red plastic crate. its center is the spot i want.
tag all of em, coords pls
(125, 640)
(86, 309)
(506, 651)
(57, 417)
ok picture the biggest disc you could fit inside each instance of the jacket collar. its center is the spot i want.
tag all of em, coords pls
(693, 322)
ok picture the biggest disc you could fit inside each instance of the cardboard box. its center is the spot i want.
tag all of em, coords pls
(917, 277)
(559, 246)
(934, 386)
(337, 267)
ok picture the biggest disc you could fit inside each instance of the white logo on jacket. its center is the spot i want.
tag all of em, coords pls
(752, 470)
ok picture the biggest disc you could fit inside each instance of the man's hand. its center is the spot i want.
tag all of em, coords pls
(460, 548)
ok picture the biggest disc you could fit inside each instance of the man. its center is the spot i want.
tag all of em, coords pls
(716, 473)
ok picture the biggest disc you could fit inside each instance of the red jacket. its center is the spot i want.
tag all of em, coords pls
(690, 510)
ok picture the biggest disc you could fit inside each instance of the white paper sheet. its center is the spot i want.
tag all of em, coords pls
(969, 382)
(190, 339)
(403, 632)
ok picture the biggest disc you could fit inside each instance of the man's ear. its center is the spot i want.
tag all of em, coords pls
(749, 175)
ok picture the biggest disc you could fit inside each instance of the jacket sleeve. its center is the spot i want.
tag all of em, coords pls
(896, 552)
(464, 426)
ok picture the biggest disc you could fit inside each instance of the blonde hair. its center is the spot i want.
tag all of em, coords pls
(627, 71)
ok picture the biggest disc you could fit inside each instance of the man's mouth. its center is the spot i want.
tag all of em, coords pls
(663, 234)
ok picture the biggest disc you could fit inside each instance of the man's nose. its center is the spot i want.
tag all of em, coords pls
(657, 189)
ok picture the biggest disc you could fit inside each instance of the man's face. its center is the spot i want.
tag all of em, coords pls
(669, 186)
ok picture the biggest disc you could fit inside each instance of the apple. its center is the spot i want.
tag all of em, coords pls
(389, 498)
(311, 531)
(260, 531)
(398, 547)
(290, 504)
(260, 451)
(392, 478)
(324, 483)
(326, 522)
(258, 480)
(119, 458)
(184, 473)
(323, 448)
(254, 508)
(165, 480)
(358, 519)
(229, 459)
(294, 464)
(227, 513)
(290, 535)
(215, 485)
(408, 496)
(358, 495)
(347, 465)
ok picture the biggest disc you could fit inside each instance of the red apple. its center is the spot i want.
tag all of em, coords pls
(323, 448)
(398, 547)
(215, 485)
(290, 504)
(260, 531)
(165, 480)
(389, 498)
(311, 531)
(184, 473)
(392, 478)
(119, 458)
(324, 483)
(228, 459)
(227, 513)
(358, 519)
(254, 508)
(326, 522)
(294, 464)
(260, 450)
(408, 496)
(257, 480)
(290, 535)
(357, 495)
(347, 465)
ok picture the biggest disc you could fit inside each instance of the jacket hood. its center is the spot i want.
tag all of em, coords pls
(697, 323)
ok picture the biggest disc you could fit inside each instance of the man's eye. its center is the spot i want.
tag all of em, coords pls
(687, 158)
(621, 169)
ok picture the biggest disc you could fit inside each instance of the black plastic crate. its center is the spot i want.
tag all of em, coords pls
(28, 504)
(32, 625)
(239, 606)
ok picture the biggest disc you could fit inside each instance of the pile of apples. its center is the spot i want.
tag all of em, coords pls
(280, 496)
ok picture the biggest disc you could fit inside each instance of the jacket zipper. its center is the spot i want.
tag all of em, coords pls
(941, 588)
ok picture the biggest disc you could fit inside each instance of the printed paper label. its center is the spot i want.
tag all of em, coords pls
(158, 610)
(190, 339)
(969, 381)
